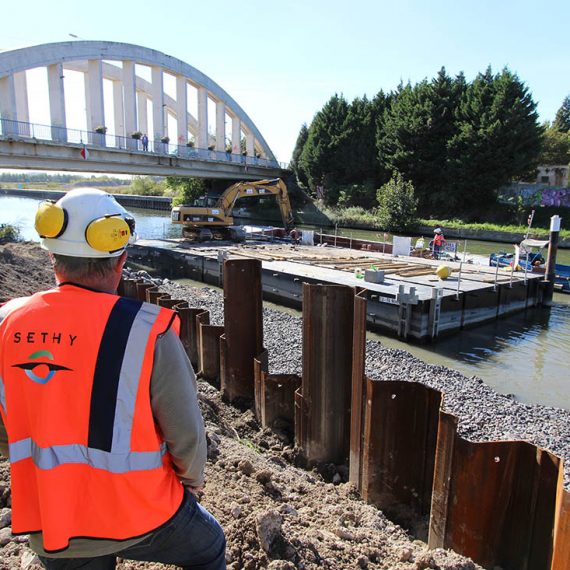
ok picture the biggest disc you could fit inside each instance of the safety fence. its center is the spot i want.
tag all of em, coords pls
(501, 503)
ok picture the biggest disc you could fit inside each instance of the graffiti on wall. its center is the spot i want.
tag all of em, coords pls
(536, 195)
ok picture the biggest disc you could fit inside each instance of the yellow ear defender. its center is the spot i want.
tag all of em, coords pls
(51, 220)
(110, 233)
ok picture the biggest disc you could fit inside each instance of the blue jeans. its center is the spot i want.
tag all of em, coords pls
(192, 539)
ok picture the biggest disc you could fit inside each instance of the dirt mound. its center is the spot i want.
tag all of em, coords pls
(275, 515)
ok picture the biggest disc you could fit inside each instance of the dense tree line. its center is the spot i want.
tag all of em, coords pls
(456, 141)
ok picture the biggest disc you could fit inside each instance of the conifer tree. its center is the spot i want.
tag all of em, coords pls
(562, 120)
(498, 139)
(295, 163)
(321, 157)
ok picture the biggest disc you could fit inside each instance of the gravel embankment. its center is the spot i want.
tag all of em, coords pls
(484, 415)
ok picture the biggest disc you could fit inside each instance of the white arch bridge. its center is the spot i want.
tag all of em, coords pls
(194, 127)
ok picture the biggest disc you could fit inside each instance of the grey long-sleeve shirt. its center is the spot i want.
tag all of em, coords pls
(174, 402)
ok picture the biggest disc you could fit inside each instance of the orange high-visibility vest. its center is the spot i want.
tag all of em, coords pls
(86, 458)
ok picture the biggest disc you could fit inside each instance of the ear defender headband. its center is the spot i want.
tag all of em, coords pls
(109, 233)
(51, 220)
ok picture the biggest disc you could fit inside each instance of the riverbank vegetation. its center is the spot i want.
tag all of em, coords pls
(457, 142)
(360, 218)
(9, 232)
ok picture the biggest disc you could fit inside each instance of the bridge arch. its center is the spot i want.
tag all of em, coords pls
(130, 93)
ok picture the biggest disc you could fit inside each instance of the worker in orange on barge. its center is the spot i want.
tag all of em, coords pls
(437, 243)
(99, 408)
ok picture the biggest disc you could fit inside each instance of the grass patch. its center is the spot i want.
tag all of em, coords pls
(458, 224)
(250, 444)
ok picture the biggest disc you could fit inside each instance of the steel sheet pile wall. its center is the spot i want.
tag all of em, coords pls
(501, 503)
(494, 501)
(322, 413)
(242, 340)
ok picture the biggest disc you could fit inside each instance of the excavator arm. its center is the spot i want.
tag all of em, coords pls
(198, 220)
(274, 187)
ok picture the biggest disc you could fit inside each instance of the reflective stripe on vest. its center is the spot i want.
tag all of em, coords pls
(113, 398)
(2, 396)
(50, 457)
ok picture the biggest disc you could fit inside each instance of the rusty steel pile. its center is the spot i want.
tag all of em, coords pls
(502, 503)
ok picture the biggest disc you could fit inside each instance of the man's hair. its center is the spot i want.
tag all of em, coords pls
(80, 268)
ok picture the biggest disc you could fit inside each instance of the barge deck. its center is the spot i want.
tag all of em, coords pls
(410, 301)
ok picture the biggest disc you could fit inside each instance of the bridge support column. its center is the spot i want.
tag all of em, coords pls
(202, 117)
(119, 113)
(130, 102)
(250, 144)
(142, 112)
(57, 102)
(236, 135)
(181, 110)
(22, 109)
(8, 110)
(220, 126)
(157, 106)
(94, 99)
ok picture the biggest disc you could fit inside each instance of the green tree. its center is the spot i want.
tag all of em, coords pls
(498, 140)
(416, 130)
(562, 119)
(146, 186)
(397, 204)
(555, 147)
(295, 165)
(357, 148)
(321, 157)
(186, 189)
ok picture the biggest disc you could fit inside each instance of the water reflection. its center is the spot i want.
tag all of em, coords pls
(526, 355)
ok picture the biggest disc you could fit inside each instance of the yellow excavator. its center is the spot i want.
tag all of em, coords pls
(210, 217)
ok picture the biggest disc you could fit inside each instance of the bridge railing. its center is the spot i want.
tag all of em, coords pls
(60, 135)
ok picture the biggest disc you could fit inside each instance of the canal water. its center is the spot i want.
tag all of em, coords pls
(526, 355)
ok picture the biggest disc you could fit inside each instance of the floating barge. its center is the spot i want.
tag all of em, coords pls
(411, 302)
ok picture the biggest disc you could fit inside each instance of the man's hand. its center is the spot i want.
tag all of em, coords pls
(196, 491)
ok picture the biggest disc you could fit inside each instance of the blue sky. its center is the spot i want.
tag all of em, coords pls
(281, 61)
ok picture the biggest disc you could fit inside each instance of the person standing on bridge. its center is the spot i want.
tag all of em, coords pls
(99, 408)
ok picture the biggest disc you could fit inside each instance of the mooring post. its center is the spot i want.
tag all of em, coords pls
(551, 261)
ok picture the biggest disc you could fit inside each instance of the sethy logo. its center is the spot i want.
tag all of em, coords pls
(38, 370)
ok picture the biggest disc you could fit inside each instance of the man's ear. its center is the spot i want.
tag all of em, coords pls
(121, 262)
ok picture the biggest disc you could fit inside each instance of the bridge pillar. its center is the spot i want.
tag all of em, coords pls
(118, 112)
(250, 144)
(94, 99)
(202, 117)
(130, 102)
(220, 126)
(57, 102)
(8, 110)
(142, 112)
(157, 105)
(22, 109)
(181, 110)
(236, 135)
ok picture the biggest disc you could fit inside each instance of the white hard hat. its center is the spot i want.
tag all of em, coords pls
(437, 231)
(86, 222)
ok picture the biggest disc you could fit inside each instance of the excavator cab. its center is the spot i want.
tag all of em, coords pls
(205, 202)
